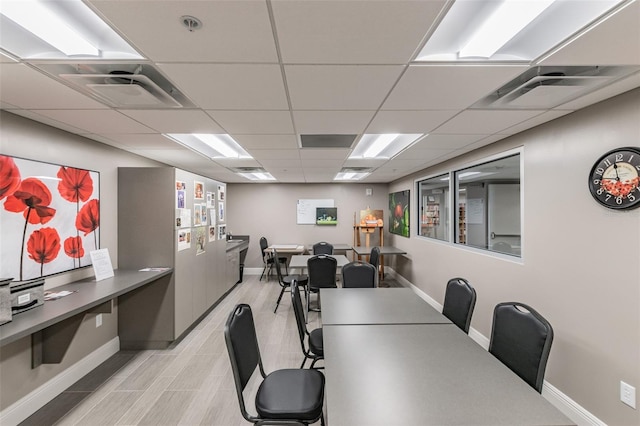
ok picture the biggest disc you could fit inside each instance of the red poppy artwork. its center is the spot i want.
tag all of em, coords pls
(45, 207)
(9, 176)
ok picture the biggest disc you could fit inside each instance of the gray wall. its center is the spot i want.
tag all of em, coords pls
(25, 138)
(581, 261)
(270, 210)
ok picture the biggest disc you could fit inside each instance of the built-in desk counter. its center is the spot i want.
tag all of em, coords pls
(53, 325)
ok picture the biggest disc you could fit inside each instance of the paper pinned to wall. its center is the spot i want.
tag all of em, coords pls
(306, 210)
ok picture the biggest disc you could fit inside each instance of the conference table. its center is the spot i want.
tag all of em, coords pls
(352, 306)
(415, 370)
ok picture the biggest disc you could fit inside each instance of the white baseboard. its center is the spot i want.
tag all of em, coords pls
(561, 401)
(38, 398)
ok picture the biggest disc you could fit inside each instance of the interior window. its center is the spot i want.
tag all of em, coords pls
(487, 204)
(433, 204)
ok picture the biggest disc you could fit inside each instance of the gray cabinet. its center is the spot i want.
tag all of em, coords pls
(148, 236)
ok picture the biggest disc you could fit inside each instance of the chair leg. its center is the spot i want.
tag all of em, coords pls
(279, 299)
(304, 361)
(263, 271)
(322, 419)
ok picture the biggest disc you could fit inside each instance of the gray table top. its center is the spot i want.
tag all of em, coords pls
(423, 374)
(376, 306)
(87, 294)
(384, 250)
(300, 260)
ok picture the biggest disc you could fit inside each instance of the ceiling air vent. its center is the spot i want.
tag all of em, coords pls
(121, 85)
(550, 86)
(327, 141)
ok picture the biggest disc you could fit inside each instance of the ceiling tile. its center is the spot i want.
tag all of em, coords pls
(324, 154)
(451, 141)
(322, 164)
(266, 141)
(275, 154)
(415, 153)
(230, 86)
(331, 122)
(27, 88)
(175, 121)
(409, 121)
(455, 87)
(318, 87)
(287, 174)
(96, 121)
(254, 122)
(615, 41)
(487, 122)
(293, 163)
(349, 32)
(243, 34)
(146, 141)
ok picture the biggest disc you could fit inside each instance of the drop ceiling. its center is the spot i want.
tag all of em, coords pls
(268, 71)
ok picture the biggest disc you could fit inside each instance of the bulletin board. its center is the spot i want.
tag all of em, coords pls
(306, 210)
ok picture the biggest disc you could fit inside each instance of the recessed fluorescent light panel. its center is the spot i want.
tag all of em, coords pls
(210, 145)
(258, 175)
(509, 30)
(41, 29)
(382, 146)
(349, 175)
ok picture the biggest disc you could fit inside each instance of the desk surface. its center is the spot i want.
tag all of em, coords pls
(88, 294)
(300, 260)
(422, 374)
(342, 306)
(286, 248)
(384, 250)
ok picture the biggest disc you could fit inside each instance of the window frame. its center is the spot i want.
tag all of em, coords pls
(453, 213)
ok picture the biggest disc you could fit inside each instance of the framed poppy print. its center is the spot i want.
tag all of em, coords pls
(49, 218)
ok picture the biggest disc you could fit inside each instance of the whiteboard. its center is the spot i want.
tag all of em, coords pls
(306, 210)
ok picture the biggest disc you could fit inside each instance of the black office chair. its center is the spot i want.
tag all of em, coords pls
(374, 258)
(322, 274)
(359, 274)
(287, 396)
(521, 338)
(286, 281)
(322, 248)
(459, 301)
(314, 350)
(268, 258)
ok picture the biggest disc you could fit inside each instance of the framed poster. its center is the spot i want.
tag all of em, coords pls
(50, 216)
(399, 213)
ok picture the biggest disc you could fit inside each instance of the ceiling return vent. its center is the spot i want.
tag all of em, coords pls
(121, 85)
(550, 86)
(327, 141)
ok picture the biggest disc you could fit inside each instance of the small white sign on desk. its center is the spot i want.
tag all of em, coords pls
(102, 267)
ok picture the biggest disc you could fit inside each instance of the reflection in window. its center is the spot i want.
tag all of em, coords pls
(433, 206)
(488, 206)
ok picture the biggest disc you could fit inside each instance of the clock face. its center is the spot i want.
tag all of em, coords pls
(614, 181)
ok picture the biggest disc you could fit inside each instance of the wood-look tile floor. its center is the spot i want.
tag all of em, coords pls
(191, 382)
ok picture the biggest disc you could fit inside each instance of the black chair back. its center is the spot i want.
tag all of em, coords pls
(242, 346)
(359, 275)
(298, 310)
(322, 248)
(459, 301)
(263, 245)
(374, 257)
(322, 271)
(521, 338)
